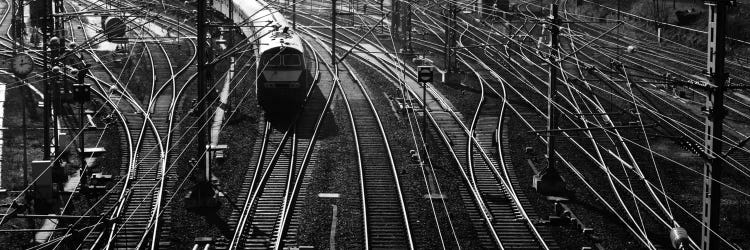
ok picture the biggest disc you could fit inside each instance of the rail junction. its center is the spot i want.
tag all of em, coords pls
(407, 124)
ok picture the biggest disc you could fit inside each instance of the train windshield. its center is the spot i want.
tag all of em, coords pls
(292, 60)
(275, 60)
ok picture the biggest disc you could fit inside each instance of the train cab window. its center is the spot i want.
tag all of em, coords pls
(292, 60)
(271, 60)
(275, 60)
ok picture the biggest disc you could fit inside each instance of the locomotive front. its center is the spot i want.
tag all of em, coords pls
(280, 65)
(281, 68)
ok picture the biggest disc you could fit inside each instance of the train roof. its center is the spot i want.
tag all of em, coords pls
(276, 39)
(268, 23)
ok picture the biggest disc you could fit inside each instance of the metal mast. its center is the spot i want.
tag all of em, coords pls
(715, 113)
(450, 38)
(202, 77)
(554, 28)
(47, 28)
(334, 59)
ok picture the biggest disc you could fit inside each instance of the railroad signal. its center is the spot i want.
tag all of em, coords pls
(81, 73)
(424, 74)
(81, 93)
(114, 28)
(43, 190)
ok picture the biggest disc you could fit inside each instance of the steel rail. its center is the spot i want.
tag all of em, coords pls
(287, 205)
(498, 176)
(164, 145)
(234, 244)
(391, 161)
(360, 156)
(125, 192)
(255, 190)
(475, 195)
(618, 180)
(504, 181)
(612, 184)
(147, 121)
(393, 74)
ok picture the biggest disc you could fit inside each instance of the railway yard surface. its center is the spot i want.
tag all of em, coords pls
(329, 124)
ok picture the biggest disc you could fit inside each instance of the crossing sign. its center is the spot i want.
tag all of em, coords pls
(424, 74)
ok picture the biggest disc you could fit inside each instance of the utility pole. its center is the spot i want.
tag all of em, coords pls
(657, 20)
(25, 139)
(46, 23)
(18, 25)
(396, 15)
(450, 40)
(82, 94)
(202, 198)
(424, 76)
(18, 32)
(333, 38)
(480, 7)
(52, 34)
(404, 33)
(548, 181)
(407, 27)
(619, 40)
(202, 77)
(58, 50)
(715, 113)
(294, 15)
(554, 31)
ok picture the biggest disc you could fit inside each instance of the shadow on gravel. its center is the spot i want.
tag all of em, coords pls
(281, 110)
(220, 223)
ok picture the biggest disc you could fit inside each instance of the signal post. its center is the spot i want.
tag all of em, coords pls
(203, 197)
(548, 181)
(424, 76)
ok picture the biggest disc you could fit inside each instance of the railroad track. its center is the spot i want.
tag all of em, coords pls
(138, 207)
(6, 24)
(659, 59)
(454, 133)
(108, 97)
(384, 213)
(276, 166)
(656, 61)
(144, 210)
(306, 158)
(600, 139)
(492, 175)
(135, 201)
(385, 216)
(269, 201)
(539, 127)
(618, 180)
(104, 96)
(272, 192)
(691, 122)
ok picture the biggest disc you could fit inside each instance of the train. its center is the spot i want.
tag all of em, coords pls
(281, 68)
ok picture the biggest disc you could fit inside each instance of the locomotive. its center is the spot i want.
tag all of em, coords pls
(281, 73)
